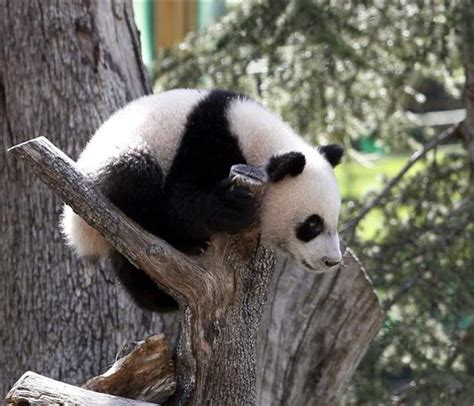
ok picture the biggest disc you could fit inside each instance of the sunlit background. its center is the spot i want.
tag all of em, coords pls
(383, 78)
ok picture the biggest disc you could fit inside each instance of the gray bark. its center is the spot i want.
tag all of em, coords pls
(64, 68)
(34, 389)
(315, 332)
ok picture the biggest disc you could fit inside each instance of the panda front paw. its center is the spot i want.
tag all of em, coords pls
(238, 211)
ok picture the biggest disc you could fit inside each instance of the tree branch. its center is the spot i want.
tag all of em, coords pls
(34, 389)
(222, 293)
(349, 228)
(176, 273)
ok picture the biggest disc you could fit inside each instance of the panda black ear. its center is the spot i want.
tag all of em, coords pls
(280, 166)
(333, 153)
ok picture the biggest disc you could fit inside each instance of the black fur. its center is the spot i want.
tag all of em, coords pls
(195, 200)
(310, 228)
(135, 185)
(200, 199)
(333, 153)
(141, 287)
(280, 166)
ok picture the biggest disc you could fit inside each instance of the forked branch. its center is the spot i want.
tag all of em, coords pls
(222, 293)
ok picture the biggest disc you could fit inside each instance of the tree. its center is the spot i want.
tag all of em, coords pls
(67, 320)
(63, 69)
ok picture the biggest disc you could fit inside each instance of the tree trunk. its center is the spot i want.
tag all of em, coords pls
(222, 294)
(64, 68)
(316, 330)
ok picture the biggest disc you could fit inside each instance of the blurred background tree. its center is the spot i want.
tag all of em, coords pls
(382, 78)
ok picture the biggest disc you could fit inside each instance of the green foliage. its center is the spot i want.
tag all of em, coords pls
(422, 262)
(334, 70)
(339, 71)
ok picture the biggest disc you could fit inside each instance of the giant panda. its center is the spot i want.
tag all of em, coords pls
(164, 160)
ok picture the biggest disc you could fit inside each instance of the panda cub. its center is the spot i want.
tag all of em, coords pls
(164, 160)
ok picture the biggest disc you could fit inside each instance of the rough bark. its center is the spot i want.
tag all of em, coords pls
(145, 373)
(65, 66)
(34, 389)
(315, 332)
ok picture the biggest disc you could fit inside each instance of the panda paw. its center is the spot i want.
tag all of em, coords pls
(239, 209)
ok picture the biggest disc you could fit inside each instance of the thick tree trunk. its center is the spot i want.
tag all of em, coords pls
(65, 66)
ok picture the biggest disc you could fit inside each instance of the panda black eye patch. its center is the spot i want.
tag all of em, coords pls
(310, 228)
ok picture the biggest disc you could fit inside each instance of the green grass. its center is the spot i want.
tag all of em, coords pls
(356, 180)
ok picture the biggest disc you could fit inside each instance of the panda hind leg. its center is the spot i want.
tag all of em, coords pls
(135, 185)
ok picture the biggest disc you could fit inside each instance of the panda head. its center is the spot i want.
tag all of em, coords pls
(301, 207)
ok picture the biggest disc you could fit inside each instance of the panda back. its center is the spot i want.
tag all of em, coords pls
(154, 124)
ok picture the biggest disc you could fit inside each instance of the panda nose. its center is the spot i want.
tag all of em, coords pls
(330, 262)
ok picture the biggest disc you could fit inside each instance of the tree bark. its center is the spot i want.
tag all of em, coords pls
(34, 389)
(65, 66)
(315, 331)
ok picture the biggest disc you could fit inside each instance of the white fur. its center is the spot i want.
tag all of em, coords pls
(289, 202)
(154, 123)
(260, 133)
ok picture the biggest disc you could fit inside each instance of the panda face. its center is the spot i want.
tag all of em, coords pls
(301, 210)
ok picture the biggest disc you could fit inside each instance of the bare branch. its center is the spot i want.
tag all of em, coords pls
(35, 389)
(349, 228)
